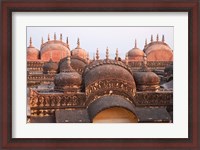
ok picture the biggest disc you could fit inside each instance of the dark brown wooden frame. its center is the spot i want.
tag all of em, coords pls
(190, 6)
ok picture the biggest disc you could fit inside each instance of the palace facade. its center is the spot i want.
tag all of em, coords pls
(65, 86)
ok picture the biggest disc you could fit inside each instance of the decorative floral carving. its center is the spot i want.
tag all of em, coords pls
(153, 99)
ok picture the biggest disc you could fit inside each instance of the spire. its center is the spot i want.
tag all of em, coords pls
(145, 59)
(157, 37)
(135, 43)
(54, 36)
(93, 56)
(48, 37)
(151, 38)
(42, 41)
(78, 43)
(117, 54)
(97, 54)
(67, 42)
(163, 38)
(60, 36)
(144, 63)
(30, 42)
(107, 53)
(126, 59)
(145, 42)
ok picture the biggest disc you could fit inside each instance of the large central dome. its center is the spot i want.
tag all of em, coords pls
(108, 77)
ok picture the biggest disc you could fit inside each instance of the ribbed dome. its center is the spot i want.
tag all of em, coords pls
(146, 80)
(157, 46)
(54, 45)
(68, 79)
(32, 52)
(78, 51)
(158, 51)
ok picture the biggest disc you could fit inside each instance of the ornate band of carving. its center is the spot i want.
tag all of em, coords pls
(153, 99)
(151, 64)
(111, 84)
(104, 92)
(38, 100)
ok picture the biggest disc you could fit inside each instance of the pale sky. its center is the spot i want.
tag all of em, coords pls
(92, 38)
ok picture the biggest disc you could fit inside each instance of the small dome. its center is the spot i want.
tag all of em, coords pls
(32, 52)
(50, 67)
(78, 51)
(135, 53)
(77, 63)
(146, 80)
(68, 80)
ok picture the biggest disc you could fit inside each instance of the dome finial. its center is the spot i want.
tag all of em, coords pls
(93, 56)
(135, 43)
(42, 41)
(117, 56)
(48, 37)
(126, 59)
(144, 63)
(60, 36)
(54, 36)
(78, 43)
(30, 42)
(107, 53)
(145, 42)
(67, 42)
(97, 54)
(163, 38)
(151, 38)
(157, 38)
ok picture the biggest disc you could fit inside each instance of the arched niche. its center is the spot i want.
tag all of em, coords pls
(115, 115)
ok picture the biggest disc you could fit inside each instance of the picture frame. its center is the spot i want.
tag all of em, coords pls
(8, 7)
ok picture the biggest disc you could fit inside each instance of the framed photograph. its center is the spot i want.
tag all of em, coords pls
(100, 74)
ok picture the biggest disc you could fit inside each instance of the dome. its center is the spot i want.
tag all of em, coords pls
(158, 51)
(135, 53)
(55, 49)
(108, 77)
(106, 69)
(68, 80)
(78, 51)
(54, 45)
(77, 63)
(50, 67)
(146, 80)
(32, 52)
